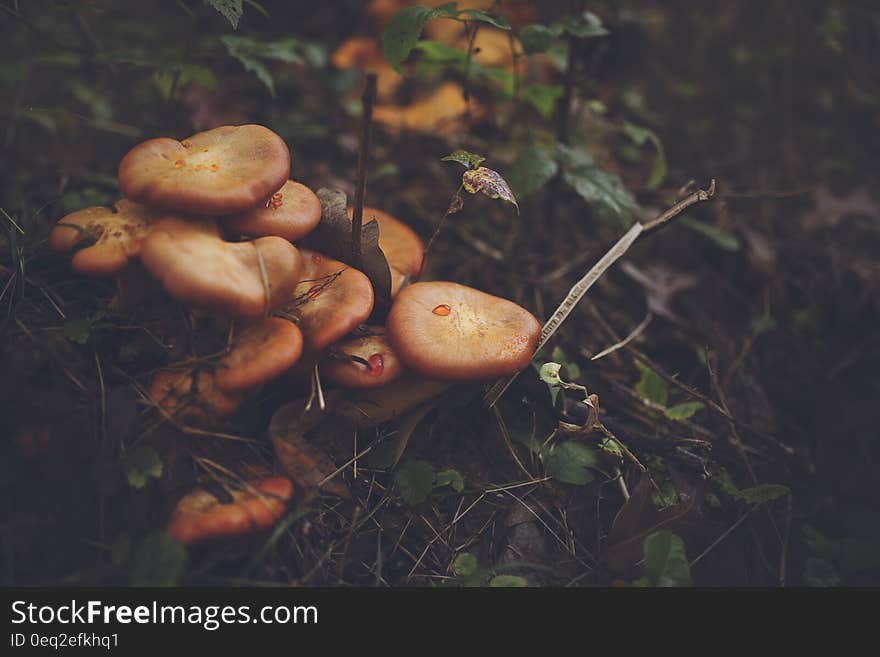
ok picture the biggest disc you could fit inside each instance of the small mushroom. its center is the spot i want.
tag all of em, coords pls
(291, 212)
(453, 332)
(199, 515)
(117, 233)
(365, 361)
(222, 171)
(403, 249)
(262, 351)
(330, 300)
(242, 279)
(440, 112)
(192, 395)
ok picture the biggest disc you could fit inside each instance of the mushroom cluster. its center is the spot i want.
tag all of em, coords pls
(216, 221)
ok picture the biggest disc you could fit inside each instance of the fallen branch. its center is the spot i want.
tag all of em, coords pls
(582, 286)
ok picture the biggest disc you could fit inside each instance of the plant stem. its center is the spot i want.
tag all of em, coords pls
(357, 217)
(455, 205)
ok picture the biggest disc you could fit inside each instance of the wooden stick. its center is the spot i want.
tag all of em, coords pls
(357, 217)
(580, 288)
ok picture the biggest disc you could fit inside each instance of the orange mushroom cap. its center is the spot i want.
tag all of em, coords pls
(362, 362)
(200, 515)
(221, 171)
(262, 351)
(291, 212)
(242, 279)
(192, 395)
(330, 300)
(403, 249)
(117, 231)
(453, 332)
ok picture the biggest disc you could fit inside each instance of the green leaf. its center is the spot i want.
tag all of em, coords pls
(683, 411)
(666, 563)
(250, 53)
(159, 560)
(451, 478)
(465, 564)
(761, 494)
(231, 10)
(568, 462)
(403, 30)
(721, 239)
(538, 38)
(490, 183)
(651, 386)
(639, 135)
(542, 97)
(533, 168)
(164, 79)
(464, 158)
(141, 464)
(78, 330)
(483, 17)
(549, 373)
(415, 479)
(572, 370)
(601, 188)
(508, 581)
(611, 446)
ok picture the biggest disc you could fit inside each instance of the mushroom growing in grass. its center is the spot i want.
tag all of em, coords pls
(261, 351)
(241, 279)
(116, 234)
(291, 212)
(199, 515)
(222, 171)
(192, 395)
(364, 361)
(330, 301)
(403, 249)
(453, 332)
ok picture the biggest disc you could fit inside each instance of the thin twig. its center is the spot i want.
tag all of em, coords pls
(502, 427)
(622, 343)
(582, 286)
(726, 533)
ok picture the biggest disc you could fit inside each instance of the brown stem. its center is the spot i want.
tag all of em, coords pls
(455, 205)
(357, 217)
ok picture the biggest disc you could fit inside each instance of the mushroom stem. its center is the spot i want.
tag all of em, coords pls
(360, 190)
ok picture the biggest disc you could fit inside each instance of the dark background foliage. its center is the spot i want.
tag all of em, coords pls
(774, 284)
